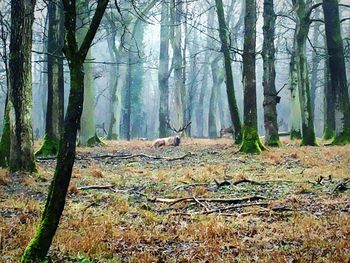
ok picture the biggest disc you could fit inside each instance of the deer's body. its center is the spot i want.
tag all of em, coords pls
(224, 131)
(168, 141)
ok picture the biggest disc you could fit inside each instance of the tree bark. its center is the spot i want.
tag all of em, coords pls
(251, 142)
(269, 76)
(218, 78)
(55, 81)
(38, 247)
(295, 132)
(302, 30)
(20, 93)
(87, 131)
(337, 71)
(163, 72)
(223, 30)
(329, 105)
(176, 40)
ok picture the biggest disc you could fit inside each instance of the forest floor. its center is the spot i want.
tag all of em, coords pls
(199, 202)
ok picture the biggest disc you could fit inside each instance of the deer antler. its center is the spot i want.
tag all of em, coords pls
(180, 129)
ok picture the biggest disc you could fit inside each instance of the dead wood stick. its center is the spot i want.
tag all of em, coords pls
(247, 181)
(201, 204)
(88, 187)
(264, 204)
(173, 201)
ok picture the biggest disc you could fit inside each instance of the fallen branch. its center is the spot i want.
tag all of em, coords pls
(122, 157)
(98, 187)
(247, 181)
(218, 210)
(172, 201)
(190, 185)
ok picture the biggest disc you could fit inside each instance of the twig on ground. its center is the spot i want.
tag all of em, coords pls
(89, 187)
(172, 201)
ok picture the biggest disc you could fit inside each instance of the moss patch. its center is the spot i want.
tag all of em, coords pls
(49, 147)
(295, 135)
(328, 134)
(251, 143)
(5, 142)
(342, 139)
(93, 141)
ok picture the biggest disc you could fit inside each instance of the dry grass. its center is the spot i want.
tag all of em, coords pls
(124, 226)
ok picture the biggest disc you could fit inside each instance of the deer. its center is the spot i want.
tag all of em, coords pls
(223, 131)
(172, 140)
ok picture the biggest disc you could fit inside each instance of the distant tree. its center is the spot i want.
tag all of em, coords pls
(269, 76)
(329, 104)
(5, 137)
(20, 92)
(303, 21)
(295, 131)
(38, 247)
(251, 142)
(55, 80)
(218, 76)
(87, 131)
(164, 71)
(223, 31)
(176, 43)
(337, 71)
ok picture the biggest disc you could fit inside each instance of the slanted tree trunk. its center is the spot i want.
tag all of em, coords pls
(269, 76)
(38, 247)
(20, 93)
(295, 131)
(302, 30)
(329, 105)
(337, 71)
(218, 78)
(55, 81)
(251, 142)
(163, 72)
(223, 30)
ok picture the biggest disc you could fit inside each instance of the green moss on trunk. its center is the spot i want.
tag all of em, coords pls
(5, 142)
(251, 142)
(295, 135)
(93, 141)
(49, 147)
(328, 134)
(343, 138)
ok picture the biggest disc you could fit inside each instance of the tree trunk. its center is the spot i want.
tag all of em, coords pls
(5, 138)
(315, 65)
(295, 132)
(20, 93)
(176, 41)
(269, 76)
(302, 30)
(337, 71)
(55, 82)
(228, 70)
(112, 133)
(87, 131)
(251, 142)
(329, 105)
(38, 247)
(163, 72)
(218, 78)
